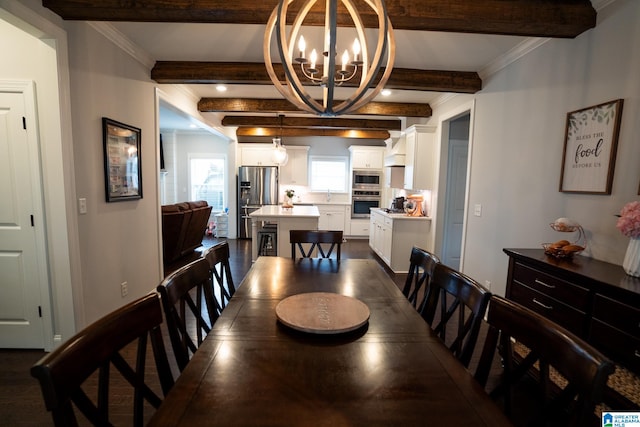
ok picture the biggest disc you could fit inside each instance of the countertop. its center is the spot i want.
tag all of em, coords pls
(400, 215)
(279, 211)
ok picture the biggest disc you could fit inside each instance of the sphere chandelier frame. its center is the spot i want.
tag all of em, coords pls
(293, 89)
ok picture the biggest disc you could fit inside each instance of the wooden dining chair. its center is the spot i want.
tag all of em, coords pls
(460, 302)
(553, 350)
(316, 239)
(421, 266)
(223, 289)
(188, 288)
(94, 350)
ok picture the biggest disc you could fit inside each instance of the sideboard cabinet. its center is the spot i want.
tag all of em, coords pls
(594, 299)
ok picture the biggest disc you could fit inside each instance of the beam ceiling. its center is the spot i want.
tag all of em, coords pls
(244, 105)
(189, 72)
(535, 18)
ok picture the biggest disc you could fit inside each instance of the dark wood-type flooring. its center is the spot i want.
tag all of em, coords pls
(21, 401)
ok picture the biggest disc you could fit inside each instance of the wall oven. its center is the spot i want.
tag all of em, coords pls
(362, 201)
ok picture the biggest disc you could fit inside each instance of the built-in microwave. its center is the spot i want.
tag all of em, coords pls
(366, 179)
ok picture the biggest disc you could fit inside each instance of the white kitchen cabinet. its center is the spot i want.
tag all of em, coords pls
(256, 155)
(364, 157)
(420, 158)
(332, 217)
(296, 171)
(358, 227)
(393, 236)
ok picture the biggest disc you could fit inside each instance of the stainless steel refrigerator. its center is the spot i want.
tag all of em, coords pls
(257, 187)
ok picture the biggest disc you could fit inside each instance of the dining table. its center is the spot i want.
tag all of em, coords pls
(254, 370)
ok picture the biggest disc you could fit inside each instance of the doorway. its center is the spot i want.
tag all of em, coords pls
(457, 160)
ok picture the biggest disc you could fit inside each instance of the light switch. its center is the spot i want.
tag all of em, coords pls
(82, 205)
(477, 210)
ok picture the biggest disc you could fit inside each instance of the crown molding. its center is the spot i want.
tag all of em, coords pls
(124, 43)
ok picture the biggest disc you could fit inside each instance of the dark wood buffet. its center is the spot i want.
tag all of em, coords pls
(594, 299)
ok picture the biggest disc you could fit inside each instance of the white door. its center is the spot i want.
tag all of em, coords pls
(454, 203)
(21, 324)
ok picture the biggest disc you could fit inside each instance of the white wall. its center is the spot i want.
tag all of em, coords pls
(119, 241)
(518, 137)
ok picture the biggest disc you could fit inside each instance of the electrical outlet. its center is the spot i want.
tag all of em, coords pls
(123, 289)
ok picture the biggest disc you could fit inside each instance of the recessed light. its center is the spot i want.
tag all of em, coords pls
(221, 88)
(385, 92)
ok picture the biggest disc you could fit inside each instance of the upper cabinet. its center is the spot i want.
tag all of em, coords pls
(256, 155)
(420, 157)
(295, 172)
(365, 157)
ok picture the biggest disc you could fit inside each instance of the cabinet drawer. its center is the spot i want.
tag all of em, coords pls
(617, 314)
(568, 293)
(562, 314)
(622, 347)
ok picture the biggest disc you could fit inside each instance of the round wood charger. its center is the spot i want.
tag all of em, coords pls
(322, 313)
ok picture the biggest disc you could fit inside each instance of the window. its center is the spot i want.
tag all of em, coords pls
(329, 173)
(207, 180)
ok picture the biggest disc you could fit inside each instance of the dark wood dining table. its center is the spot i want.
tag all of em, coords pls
(251, 370)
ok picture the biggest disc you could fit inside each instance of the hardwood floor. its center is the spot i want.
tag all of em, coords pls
(21, 401)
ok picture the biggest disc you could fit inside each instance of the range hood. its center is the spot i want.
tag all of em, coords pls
(395, 151)
(394, 160)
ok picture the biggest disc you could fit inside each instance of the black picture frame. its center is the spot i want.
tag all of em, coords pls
(122, 161)
(590, 146)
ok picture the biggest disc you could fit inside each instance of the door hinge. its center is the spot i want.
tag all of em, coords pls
(24, 123)
(40, 311)
(32, 221)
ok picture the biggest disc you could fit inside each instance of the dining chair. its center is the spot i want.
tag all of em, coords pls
(316, 239)
(188, 287)
(421, 266)
(223, 289)
(552, 350)
(460, 302)
(94, 350)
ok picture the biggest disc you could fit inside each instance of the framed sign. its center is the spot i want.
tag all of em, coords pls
(591, 140)
(122, 165)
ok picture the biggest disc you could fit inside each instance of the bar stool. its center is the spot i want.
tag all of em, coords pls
(268, 241)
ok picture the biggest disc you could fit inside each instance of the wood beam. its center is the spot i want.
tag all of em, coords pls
(558, 18)
(240, 105)
(299, 132)
(311, 123)
(192, 72)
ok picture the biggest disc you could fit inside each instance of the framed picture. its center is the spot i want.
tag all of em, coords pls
(122, 165)
(591, 141)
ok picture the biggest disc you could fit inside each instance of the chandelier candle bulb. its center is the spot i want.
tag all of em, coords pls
(302, 45)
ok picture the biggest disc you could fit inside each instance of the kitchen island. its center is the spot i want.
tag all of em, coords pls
(296, 218)
(393, 235)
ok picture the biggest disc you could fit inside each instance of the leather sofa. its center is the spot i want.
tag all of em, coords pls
(183, 226)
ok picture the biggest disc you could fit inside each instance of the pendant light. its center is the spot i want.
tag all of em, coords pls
(280, 156)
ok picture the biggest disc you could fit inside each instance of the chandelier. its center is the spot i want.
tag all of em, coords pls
(357, 66)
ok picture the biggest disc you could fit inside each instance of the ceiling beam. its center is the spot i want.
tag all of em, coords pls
(191, 72)
(301, 132)
(311, 123)
(239, 105)
(558, 18)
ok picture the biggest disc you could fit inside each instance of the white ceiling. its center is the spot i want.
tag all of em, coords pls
(243, 43)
